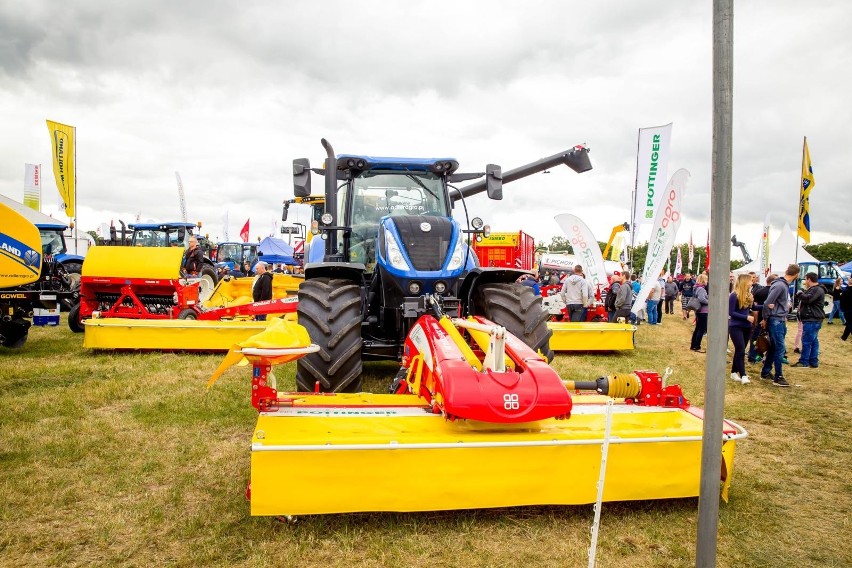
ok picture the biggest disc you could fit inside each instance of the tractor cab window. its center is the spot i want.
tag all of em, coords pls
(230, 253)
(51, 243)
(376, 194)
(149, 238)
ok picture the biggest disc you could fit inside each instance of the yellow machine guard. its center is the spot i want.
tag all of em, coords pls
(237, 291)
(591, 336)
(654, 453)
(133, 262)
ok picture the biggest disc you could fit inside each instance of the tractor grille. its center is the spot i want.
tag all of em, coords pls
(427, 250)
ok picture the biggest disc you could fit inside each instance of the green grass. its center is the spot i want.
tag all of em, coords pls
(125, 460)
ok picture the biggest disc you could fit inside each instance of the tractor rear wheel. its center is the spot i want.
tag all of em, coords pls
(330, 309)
(518, 309)
(74, 321)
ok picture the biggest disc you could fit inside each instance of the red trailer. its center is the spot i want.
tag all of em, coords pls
(506, 250)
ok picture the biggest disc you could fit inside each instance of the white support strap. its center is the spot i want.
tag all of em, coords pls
(495, 356)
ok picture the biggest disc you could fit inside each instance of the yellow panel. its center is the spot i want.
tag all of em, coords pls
(467, 464)
(591, 336)
(499, 240)
(20, 249)
(178, 335)
(133, 262)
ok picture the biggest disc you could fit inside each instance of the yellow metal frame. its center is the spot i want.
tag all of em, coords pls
(591, 336)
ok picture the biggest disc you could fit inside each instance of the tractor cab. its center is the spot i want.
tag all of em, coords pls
(231, 256)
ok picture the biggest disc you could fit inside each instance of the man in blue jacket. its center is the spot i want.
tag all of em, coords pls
(775, 322)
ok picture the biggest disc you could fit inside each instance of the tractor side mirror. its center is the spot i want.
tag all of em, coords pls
(286, 211)
(494, 181)
(301, 177)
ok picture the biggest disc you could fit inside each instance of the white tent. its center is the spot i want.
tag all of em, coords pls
(782, 253)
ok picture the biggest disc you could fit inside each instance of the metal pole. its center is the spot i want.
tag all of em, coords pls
(717, 339)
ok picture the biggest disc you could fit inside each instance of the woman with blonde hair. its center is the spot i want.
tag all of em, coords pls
(700, 293)
(740, 322)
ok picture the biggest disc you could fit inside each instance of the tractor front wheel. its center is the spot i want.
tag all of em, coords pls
(518, 309)
(330, 310)
(74, 321)
(208, 282)
(188, 314)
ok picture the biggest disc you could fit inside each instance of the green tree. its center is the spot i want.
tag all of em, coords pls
(559, 244)
(841, 253)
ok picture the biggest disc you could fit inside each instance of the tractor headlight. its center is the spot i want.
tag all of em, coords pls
(457, 258)
(440, 287)
(395, 256)
(477, 223)
(414, 288)
(326, 218)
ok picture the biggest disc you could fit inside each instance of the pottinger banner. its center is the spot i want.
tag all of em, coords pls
(652, 162)
(586, 249)
(663, 234)
(62, 137)
(32, 186)
(763, 251)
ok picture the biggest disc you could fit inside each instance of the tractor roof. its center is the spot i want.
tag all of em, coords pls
(166, 225)
(366, 163)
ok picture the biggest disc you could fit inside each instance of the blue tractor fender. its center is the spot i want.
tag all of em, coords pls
(65, 257)
(353, 271)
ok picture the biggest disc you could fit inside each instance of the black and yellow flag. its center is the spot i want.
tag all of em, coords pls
(805, 195)
(62, 137)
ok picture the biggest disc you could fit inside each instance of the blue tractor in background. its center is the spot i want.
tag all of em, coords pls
(393, 250)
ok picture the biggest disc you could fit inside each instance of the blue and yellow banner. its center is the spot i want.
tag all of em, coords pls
(805, 195)
(63, 140)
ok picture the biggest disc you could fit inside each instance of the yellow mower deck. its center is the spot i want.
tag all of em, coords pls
(591, 336)
(381, 441)
(177, 335)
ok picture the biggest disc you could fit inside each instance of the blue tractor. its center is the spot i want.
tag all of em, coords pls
(393, 250)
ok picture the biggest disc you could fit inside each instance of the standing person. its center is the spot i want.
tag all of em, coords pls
(261, 288)
(652, 302)
(686, 286)
(661, 299)
(775, 321)
(846, 307)
(624, 299)
(611, 295)
(836, 291)
(193, 258)
(575, 294)
(760, 293)
(671, 292)
(636, 286)
(811, 314)
(740, 323)
(530, 281)
(700, 292)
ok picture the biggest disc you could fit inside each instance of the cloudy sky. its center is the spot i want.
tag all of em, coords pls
(228, 93)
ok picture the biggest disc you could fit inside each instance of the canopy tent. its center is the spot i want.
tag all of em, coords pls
(275, 251)
(782, 253)
(846, 267)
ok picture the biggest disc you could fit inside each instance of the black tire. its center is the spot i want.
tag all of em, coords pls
(209, 279)
(74, 321)
(13, 333)
(518, 309)
(330, 309)
(188, 314)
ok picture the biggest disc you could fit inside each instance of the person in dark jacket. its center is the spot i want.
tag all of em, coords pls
(687, 285)
(836, 292)
(261, 288)
(775, 310)
(671, 291)
(624, 299)
(846, 307)
(760, 293)
(740, 323)
(700, 292)
(811, 314)
(193, 258)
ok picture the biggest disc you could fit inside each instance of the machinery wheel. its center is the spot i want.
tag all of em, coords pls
(330, 309)
(74, 321)
(188, 314)
(208, 282)
(518, 309)
(13, 333)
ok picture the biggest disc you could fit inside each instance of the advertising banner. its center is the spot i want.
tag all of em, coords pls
(32, 186)
(586, 249)
(63, 142)
(651, 170)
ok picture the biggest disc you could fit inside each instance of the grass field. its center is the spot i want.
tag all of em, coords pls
(125, 460)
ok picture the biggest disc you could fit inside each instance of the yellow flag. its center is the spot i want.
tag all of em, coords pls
(62, 137)
(805, 195)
